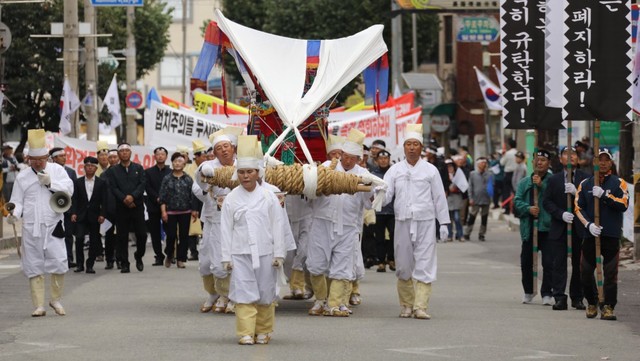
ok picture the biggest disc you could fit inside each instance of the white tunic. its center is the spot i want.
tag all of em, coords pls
(419, 200)
(41, 251)
(252, 229)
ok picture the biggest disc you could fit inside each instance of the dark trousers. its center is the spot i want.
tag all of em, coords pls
(174, 222)
(95, 243)
(507, 189)
(609, 248)
(110, 244)
(498, 186)
(559, 274)
(68, 236)
(129, 219)
(526, 265)
(368, 244)
(154, 224)
(384, 246)
(193, 245)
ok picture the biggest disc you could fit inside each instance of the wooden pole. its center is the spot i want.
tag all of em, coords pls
(569, 200)
(535, 219)
(596, 209)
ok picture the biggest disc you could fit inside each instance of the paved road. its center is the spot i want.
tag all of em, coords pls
(476, 309)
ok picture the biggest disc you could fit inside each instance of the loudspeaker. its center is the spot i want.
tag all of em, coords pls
(60, 202)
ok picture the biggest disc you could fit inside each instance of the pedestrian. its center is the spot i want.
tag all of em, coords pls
(531, 213)
(462, 164)
(127, 182)
(214, 277)
(479, 198)
(520, 170)
(585, 156)
(508, 161)
(498, 179)
(253, 247)
(59, 156)
(43, 249)
(335, 231)
(377, 146)
(110, 238)
(88, 211)
(385, 221)
(613, 195)
(175, 207)
(419, 201)
(454, 201)
(555, 202)
(199, 156)
(154, 176)
(10, 170)
(102, 152)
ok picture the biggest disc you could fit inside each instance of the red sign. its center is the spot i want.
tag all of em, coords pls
(134, 99)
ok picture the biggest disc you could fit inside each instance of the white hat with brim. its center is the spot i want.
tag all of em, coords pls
(37, 143)
(353, 144)
(413, 132)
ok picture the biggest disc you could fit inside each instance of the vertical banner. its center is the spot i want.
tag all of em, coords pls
(598, 60)
(523, 66)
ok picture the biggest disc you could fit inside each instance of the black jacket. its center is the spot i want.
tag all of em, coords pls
(555, 203)
(613, 204)
(89, 209)
(123, 182)
(154, 177)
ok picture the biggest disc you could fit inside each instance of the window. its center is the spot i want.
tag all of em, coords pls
(448, 39)
(171, 72)
(177, 9)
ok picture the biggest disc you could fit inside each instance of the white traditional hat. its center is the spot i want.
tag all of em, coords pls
(198, 147)
(353, 144)
(249, 152)
(37, 144)
(413, 132)
(229, 134)
(183, 149)
(334, 142)
(102, 146)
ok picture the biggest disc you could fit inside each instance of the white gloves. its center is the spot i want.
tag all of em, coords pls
(597, 191)
(277, 262)
(11, 219)
(207, 170)
(444, 231)
(595, 230)
(567, 217)
(227, 266)
(271, 161)
(570, 188)
(44, 179)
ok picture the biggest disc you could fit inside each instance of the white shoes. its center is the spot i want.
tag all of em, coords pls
(57, 307)
(263, 338)
(39, 312)
(406, 312)
(231, 307)
(246, 340)
(547, 300)
(221, 304)
(528, 297)
(421, 314)
(319, 306)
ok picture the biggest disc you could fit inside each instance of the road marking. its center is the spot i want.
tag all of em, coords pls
(522, 354)
(41, 347)
(9, 266)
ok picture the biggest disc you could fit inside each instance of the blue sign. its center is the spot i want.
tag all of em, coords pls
(117, 2)
(477, 29)
(133, 99)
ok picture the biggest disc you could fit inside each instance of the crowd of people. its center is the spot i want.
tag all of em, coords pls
(245, 239)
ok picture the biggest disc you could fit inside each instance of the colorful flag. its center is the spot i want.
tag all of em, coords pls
(490, 91)
(69, 103)
(112, 102)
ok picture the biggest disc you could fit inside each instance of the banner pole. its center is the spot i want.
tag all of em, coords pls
(535, 219)
(569, 180)
(596, 209)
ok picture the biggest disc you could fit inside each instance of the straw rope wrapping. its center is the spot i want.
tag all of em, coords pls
(289, 178)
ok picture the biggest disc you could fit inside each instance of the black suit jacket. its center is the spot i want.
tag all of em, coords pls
(123, 182)
(154, 179)
(89, 209)
(555, 202)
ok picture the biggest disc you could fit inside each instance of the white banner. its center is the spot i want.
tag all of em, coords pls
(77, 150)
(169, 127)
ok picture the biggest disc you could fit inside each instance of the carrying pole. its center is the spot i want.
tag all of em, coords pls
(596, 209)
(569, 200)
(535, 219)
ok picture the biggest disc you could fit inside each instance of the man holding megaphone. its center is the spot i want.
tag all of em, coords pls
(43, 247)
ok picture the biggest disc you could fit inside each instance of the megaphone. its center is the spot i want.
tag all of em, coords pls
(60, 202)
(9, 207)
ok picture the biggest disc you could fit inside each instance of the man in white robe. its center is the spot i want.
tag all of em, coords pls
(420, 200)
(43, 247)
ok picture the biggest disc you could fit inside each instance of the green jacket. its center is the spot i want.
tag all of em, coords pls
(523, 200)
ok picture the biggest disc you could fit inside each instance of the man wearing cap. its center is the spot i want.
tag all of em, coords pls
(154, 176)
(530, 214)
(335, 232)
(385, 221)
(215, 278)
(88, 211)
(9, 170)
(110, 235)
(508, 161)
(127, 182)
(479, 198)
(419, 200)
(103, 157)
(43, 248)
(613, 196)
(555, 202)
(59, 156)
(199, 156)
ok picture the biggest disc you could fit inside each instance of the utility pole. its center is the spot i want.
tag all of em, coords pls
(486, 63)
(91, 72)
(396, 45)
(131, 126)
(184, 51)
(414, 38)
(70, 53)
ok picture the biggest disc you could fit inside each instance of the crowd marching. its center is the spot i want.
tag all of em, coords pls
(247, 239)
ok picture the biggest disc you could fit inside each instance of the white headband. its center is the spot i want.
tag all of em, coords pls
(352, 148)
(57, 153)
(124, 146)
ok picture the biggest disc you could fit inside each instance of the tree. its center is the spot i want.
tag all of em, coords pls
(33, 75)
(329, 19)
